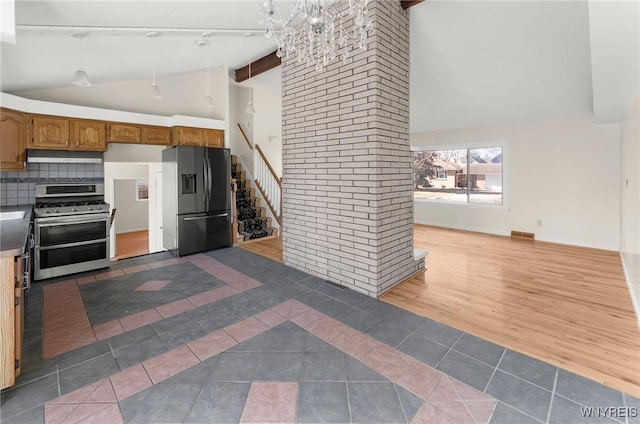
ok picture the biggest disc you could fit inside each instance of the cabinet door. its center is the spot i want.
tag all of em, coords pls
(89, 135)
(214, 138)
(124, 133)
(156, 135)
(50, 133)
(8, 267)
(12, 135)
(18, 315)
(189, 136)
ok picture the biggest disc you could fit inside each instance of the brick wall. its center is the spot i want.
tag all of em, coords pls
(347, 169)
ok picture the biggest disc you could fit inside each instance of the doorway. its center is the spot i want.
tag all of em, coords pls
(131, 220)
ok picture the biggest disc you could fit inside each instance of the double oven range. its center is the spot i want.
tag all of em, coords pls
(71, 229)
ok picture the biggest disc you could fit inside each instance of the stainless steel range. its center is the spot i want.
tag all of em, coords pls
(71, 229)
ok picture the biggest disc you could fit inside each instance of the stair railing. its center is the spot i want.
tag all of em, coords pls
(234, 213)
(266, 179)
(269, 184)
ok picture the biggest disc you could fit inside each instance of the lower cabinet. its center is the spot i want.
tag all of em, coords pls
(11, 319)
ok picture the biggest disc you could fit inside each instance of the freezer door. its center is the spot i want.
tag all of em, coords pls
(192, 179)
(202, 232)
(218, 175)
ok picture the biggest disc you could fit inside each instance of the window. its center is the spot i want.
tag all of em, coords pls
(441, 174)
(142, 189)
(470, 175)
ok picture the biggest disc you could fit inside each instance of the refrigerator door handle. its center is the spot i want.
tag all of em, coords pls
(195, 218)
(209, 172)
(205, 179)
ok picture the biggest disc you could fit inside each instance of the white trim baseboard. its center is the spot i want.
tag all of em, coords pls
(635, 297)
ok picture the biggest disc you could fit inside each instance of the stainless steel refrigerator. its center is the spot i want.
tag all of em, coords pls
(197, 199)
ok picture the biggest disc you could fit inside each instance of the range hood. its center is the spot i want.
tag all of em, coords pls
(62, 156)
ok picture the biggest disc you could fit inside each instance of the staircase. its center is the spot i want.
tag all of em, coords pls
(251, 217)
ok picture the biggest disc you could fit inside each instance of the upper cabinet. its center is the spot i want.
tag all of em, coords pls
(53, 132)
(49, 132)
(12, 134)
(156, 135)
(89, 135)
(124, 133)
(135, 134)
(214, 138)
(187, 136)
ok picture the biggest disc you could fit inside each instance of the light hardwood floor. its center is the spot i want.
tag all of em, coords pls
(565, 305)
(269, 247)
(131, 244)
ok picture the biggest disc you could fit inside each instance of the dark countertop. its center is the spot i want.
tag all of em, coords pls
(14, 232)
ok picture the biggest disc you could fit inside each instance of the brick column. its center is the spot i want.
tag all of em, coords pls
(347, 170)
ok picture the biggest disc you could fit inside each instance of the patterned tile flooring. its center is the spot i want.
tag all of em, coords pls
(229, 336)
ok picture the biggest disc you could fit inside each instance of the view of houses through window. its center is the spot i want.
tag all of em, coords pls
(470, 175)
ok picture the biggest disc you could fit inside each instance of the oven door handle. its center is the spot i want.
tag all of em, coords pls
(56, 220)
(79, 243)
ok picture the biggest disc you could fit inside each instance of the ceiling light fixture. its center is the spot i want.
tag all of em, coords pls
(309, 32)
(155, 90)
(81, 79)
(250, 109)
(208, 100)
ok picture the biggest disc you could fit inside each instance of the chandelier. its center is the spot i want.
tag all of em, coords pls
(317, 31)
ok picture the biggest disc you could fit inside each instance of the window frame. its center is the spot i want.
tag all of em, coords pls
(466, 146)
(446, 174)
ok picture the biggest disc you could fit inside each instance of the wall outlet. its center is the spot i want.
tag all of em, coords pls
(539, 223)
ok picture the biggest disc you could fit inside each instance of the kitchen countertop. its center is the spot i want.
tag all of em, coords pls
(14, 232)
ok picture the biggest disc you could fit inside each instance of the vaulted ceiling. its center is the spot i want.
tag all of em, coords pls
(473, 63)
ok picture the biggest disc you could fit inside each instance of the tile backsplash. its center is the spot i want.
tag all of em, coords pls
(18, 188)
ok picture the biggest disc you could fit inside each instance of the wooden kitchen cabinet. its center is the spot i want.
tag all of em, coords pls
(188, 136)
(124, 133)
(11, 320)
(214, 138)
(49, 132)
(13, 151)
(156, 135)
(89, 135)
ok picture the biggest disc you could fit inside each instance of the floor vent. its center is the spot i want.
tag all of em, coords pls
(335, 284)
(522, 235)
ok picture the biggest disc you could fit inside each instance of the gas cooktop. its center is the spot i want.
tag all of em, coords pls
(69, 199)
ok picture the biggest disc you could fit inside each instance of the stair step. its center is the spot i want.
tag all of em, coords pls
(251, 216)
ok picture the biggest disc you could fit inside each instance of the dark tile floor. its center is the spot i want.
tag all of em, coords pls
(330, 385)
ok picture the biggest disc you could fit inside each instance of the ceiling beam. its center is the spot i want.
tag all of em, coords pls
(259, 66)
(409, 3)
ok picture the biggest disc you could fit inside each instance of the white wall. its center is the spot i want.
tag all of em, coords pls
(131, 214)
(630, 200)
(238, 99)
(267, 122)
(182, 94)
(118, 152)
(563, 172)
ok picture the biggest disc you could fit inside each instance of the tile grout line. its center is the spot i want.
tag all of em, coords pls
(553, 392)
(395, 389)
(522, 412)
(445, 355)
(495, 369)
